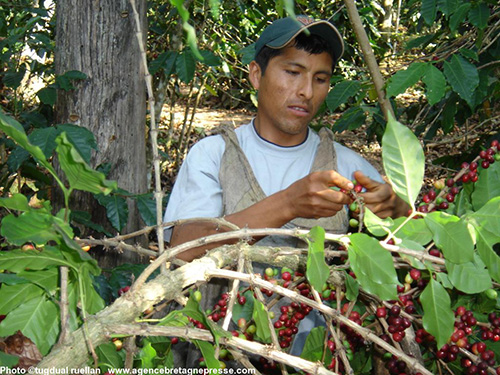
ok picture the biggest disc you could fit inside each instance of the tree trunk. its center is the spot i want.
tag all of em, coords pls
(98, 38)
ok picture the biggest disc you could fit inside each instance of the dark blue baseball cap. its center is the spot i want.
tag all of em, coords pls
(284, 30)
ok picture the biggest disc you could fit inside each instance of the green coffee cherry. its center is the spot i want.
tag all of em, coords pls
(197, 296)
(353, 223)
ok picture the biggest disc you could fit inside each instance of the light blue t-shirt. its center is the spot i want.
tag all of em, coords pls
(197, 191)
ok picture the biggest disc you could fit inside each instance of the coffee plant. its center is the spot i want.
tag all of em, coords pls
(416, 294)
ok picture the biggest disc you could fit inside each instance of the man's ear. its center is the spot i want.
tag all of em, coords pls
(254, 75)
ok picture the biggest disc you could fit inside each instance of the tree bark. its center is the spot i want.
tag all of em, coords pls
(98, 38)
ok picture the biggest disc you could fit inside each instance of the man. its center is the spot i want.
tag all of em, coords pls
(276, 171)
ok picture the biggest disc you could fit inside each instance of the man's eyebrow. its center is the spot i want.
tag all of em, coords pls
(299, 65)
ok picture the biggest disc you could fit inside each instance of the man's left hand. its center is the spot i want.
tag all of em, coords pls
(380, 198)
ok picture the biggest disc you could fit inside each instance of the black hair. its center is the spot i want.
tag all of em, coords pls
(312, 43)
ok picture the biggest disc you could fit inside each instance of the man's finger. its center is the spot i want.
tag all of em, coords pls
(365, 181)
(340, 181)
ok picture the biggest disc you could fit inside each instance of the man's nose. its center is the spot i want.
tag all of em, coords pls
(306, 88)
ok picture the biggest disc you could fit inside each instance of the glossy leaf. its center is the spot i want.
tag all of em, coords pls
(351, 119)
(174, 318)
(438, 318)
(185, 66)
(428, 11)
(487, 217)
(341, 92)
(16, 131)
(351, 288)
(147, 355)
(47, 95)
(18, 260)
(479, 14)
(208, 353)
(485, 242)
(78, 172)
(146, 205)
(244, 311)
(487, 186)
(45, 139)
(462, 76)
(317, 271)
(8, 360)
(314, 345)
(108, 356)
(470, 277)
(412, 245)
(414, 230)
(373, 266)
(116, 209)
(34, 319)
(403, 79)
(435, 84)
(403, 160)
(82, 138)
(452, 236)
(376, 225)
(260, 318)
(15, 295)
(458, 16)
(30, 226)
(92, 300)
(447, 7)
(17, 202)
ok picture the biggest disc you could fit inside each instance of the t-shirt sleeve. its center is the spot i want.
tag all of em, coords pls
(349, 161)
(197, 191)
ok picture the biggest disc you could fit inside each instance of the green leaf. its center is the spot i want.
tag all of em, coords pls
(45, 139)
(208, 353)
(317, 271)
(428, 11)
(13, 79)
(16, 131)
(209, 58)
(91, 299)
(458, 15)
(185, 66)
(447, 7)
(17, 202)
(438, 318)
(260, 317)
(351, 119)
(314, 345)
(414, 230)
(487, 217)
(11, 279)
(47, 95)
(436, 84)
(34, 319)
(165, 61)
(373, 266)
(146, 205)
(78, 172)
(75, 75)
(403, 79)
(351, 288)
(246, 310)
(116, 209)
(147, 355)
(462, 76)
(403, 160)
(19, 260)
(470, 277)
(487, 186)
(8, 360)
(30, 226)
(15, 295)
(174, 318)
(421, 41)
(108, 357)
(341, 92)
(82, 138)
(485, 242)
(452, 236)
(479, 15)
(376, 225)
(413, 261)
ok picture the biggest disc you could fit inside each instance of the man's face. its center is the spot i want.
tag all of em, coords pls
(290, 93)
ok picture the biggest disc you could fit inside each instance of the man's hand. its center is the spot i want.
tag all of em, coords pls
(380, 198)
(312, 196)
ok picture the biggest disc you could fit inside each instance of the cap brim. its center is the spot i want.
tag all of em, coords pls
(322, 28)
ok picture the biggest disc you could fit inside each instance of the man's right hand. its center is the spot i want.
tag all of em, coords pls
(313, 196)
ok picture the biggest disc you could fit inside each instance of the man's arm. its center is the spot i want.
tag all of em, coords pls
(309, 197)
(380, 198)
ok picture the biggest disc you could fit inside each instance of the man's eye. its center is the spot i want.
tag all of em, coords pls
(321, 80)
(291, 72)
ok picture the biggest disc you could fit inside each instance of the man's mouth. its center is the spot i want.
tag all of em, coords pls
(299, 109)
